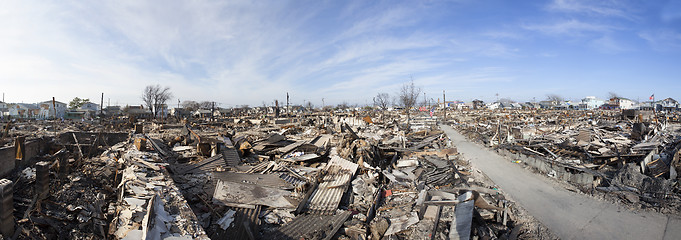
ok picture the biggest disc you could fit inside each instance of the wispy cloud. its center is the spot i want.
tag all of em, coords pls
(572, 27)
(608, 44)
(662, 39)
(594, 8)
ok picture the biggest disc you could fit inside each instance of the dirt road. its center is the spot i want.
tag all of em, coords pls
(569, 215)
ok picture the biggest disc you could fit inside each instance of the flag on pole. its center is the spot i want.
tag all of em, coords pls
(652, 96)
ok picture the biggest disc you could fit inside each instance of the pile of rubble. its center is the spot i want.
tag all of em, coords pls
(631, 156)
(310, 177)
(334, 177)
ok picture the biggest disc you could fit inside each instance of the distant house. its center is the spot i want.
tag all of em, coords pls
(590, 102)
(478, 104)
(494, 105)
(48, 109)
(530, 105)
(180, 112)
(162, 110)
(648, 106)
(202, 113)
(619, 103)
(137, 112)
(668, 104)
(23, 110)
(112, 111)
(74, 115)
(90, 106)
(460, 105)
(547, 104)
(4, 111)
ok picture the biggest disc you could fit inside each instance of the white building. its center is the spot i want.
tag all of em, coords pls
(23, 110)
(590, 102)
(47, 109)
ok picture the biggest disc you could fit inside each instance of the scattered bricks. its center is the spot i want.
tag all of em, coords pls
(6, 208)
(42, 180)
(141, 144)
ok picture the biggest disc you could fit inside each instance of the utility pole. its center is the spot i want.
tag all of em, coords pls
(101, 105)
(287, 108)
(444, 107)
(322, 104)
(212, 113)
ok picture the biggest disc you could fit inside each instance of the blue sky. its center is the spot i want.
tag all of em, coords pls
(243, 52)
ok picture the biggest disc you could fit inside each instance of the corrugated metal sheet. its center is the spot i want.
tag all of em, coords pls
(260, 167)
(246, 220)
(290, 147)
(311, 227)
(327, 196)
(268, 180)
(322, 141)
(295, 181)
(207, 165)
(230, 154)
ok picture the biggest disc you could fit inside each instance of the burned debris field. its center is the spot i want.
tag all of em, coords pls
(313, 176)
(323, 175)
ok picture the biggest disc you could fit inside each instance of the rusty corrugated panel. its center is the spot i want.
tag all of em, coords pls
(311, 226)
(327, 196)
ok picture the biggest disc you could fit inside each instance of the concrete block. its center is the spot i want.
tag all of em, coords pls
(42, 172)
(6, 208)
(431, 210)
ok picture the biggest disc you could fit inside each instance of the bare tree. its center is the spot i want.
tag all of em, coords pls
(190, 105)
(554, 98)
(382, 100)
(148, 96)
(161, 98)
(206, 104)
(408, 96)
(343, 106)
(155, 97)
